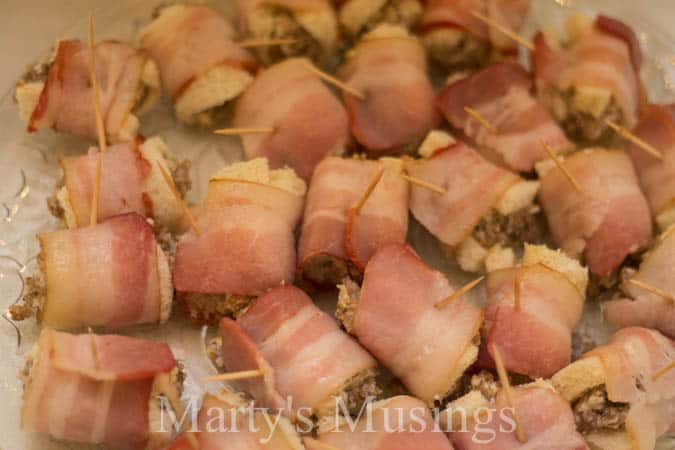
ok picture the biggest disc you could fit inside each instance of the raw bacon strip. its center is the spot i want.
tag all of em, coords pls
(501, 94)
(646, 308)
(311, 358)
(594, 223)
(546, 419)
(66, 103)
(400, 422)
(329, 227)
(94, 389)
(123, 170)
(246, 245)
(396, 320)
(637, 354)
(473, 186)
(308, 120)
(226, 422)
(605, 57)
(440, 14)
(398, 110)
(536, 339)
(657, 127)
(106, 275)
(188, 41)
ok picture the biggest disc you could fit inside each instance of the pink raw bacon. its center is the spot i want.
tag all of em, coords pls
(501, 95)
(308, 120)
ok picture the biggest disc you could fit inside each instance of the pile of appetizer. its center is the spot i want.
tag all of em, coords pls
(554, 186)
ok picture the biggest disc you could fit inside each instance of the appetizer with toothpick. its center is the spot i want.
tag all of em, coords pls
(404, 306)
(100, 389)
(590, 78)
(131, 181)
(531, 310)
(467, 34)
(202, 66)
(57, 94)
(354, 206)
(647, 296)
(485, 213)
(622, 393)
(300, 353)
(395, 108)
(495, 108)
(595, 209)
(244, 242)
(302, 125)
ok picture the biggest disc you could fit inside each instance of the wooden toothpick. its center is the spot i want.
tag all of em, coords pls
(459, 293)
(100, 127)
(179, 198)
(652, 289)
(664, 370)
(423, 184)
(504, 30)
(563, 169)
(369, 190)
(241, 131)
(252, 43)
(640, 143)
(475, 115)
(232, 376)
(506, 385)
(335, 82)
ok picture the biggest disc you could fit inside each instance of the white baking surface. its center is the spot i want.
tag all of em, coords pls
(29, 27)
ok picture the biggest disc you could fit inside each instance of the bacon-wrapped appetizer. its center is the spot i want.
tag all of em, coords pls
(394, 316)
(58, 94)
(308, 121)
(531, 311)
(100, 389)
(310, 24)
(131, 181)
(501, 95)
(110, 275)
(201, 66)
(623, 393)
(649, 291)
(485, 212)
(226, 421)
(457, 39)
(360, 16)
(601, 217)
(388, 67)
(303, 356)
(337, 241)
(245, 244)
(590, 79)
(400, 422)
(545, 418)
(657, 177)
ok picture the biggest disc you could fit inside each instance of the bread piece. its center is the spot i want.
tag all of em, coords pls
(166, 389)
(557, 260)
(435, 140)
(666, 218)
(519, 196)
(357, 16)
(499, 257)
(257, 170)
(211, 90)
(27, 96)
(470, 255)
(165, 286)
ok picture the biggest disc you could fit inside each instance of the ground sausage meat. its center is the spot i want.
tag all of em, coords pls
(463, 52)
(525, 225)
(327, 271)
(395, 12)
(594, 411)
(181, 176)
(348, 300)
(208, 309)
(31, 302)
